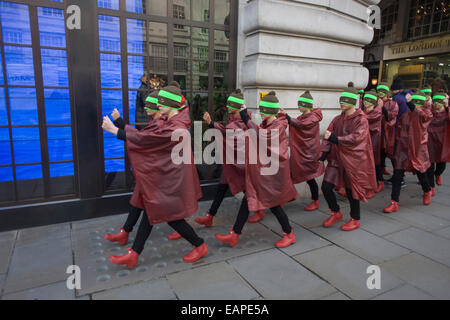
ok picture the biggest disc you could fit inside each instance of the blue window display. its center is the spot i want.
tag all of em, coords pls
(61, 169)
(51, 27)
(57, 106)
(114, 147)
(3, 110)
(5, 147)
(114, 165)
(134, 6)
(6, 174)
(54, 68)
(19, 65)
(59, 143)
(29, 172)
(23, 106)
(111, 99)
(109, 33)
(108, 4)
(132, 105)
(15, 23)
(135, 71)
(27, 147)
(135, 36)
(110, 68)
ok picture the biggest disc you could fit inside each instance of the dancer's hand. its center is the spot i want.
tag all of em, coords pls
(408, 97)
(115, 114)
(327, 135)
(243, 107)
(109, 126)
(207, 118)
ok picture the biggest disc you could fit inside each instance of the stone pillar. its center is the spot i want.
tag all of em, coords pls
(291, 46)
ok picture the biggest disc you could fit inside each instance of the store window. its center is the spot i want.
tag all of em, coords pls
(429, 17)
(389, 17)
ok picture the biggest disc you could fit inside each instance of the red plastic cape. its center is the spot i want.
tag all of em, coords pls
(233, 174)
(304, 142)
(411, 151)
(437, 132)
(268, 191)
(168, 191)
(332, 170)
(375, 117)
(355, 154)
(388, 128)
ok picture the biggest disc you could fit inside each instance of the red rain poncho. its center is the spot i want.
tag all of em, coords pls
(388, 128)
(304, 142)
(168, 191)
(375, 118)
(411, 151)
(332, 169)
(233, 174)
(437, 131)
(355, 154)
(268, 191)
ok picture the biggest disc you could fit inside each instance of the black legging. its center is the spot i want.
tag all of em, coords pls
(244, 213)
(397, 179)
(180, 226)
(383, 157)
(379, 172)
(218, 198)
(436, 169)
(133, 216)
(314, 189)
(330, 197)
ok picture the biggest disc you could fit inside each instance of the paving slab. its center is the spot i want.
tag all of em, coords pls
(381, 225)
(158, 289)
(418, 219)
(308, 219)
(405, 292)
(425, 243)
(54, 291)
(444, 232)
(42, 235)
(277, 276)
(336, 296)
(160, 256)
(2, 282)
(218, 281)
(346, 272)
(435, 209)
(422, 273)
(38, 264)
(362, 243)
(6, 250)
(8, 235)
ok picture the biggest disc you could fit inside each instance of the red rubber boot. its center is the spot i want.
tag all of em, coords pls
(380, 187)
(335, 217)
(313, 206)
(121, 237)
(196, 253)
(351, 225)
(174, 236)
(257, 217)
(287, 240)
(427, 198)
(439, 180)
(393, 207)
(130, 259)
(232, 238)
(386, 172)
(370, 195)
(342, 192)
(206, 221)
(433, 192)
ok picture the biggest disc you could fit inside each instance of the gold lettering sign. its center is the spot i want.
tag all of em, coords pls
(417, 48)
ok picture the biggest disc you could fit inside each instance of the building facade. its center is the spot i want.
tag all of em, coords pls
(56, 84)
(413, 43)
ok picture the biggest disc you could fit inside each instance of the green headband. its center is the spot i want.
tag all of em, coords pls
(302, 99)
(233, 108)
(268, 104)
(383, 87)
(147, 108)
(349, 95)
(169, 95)
(426, 90)
(349, 104)
(152, 100)
(370, 96)
(361, 91)
(266, 114)
(418, 97)
(236, 100)
(439, 97)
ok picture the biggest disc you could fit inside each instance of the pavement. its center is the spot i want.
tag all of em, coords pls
(411, 248)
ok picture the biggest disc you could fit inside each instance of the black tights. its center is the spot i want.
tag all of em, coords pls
(244, 213)
(383, 157)
(314, 189)
(436, 169)
(180, 226)
(397, 179)
(379, 172)
(220, 195)
(133, 217)
(330, 197)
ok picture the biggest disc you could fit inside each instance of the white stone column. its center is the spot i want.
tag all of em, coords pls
(292, 46)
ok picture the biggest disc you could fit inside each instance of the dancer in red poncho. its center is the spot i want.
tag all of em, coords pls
(389, 109)
(263, 188)
(411, 153)
(438, 129)
(351, 164)
(233, 174)
(373, 108)
(304, 142)
(169, 192)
